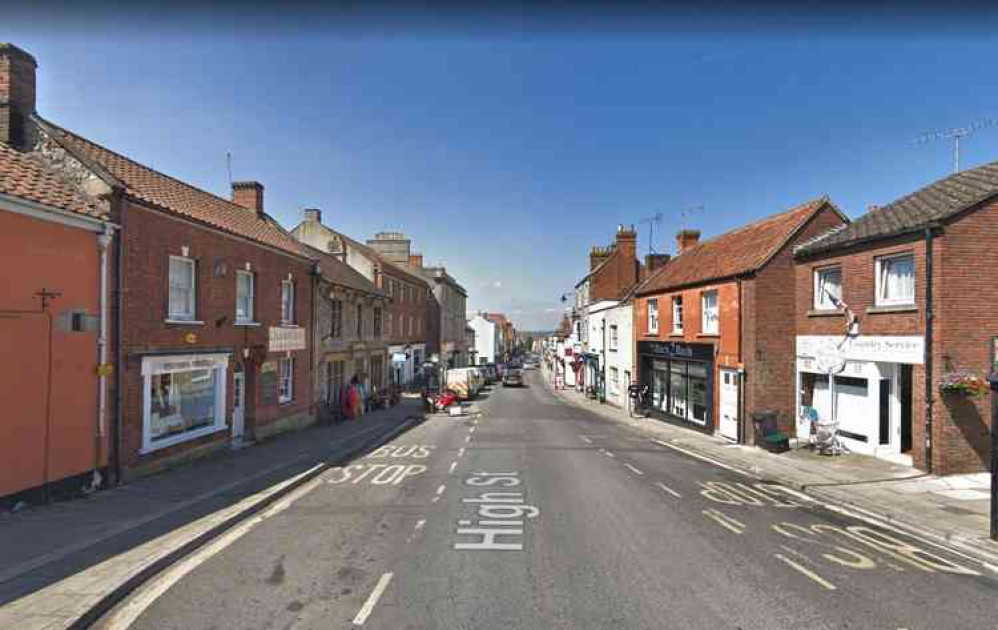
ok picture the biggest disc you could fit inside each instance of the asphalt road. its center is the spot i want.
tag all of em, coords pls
(543, 515)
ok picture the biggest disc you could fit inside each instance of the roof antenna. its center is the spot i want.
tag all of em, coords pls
(652, 222)
(956, 133)
(686, 213)
(228, 163)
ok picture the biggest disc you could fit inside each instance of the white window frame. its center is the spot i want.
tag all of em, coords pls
(177, 316)
(677, 314)
(287, 302)
(613, 337)
(653, 316)
(289, 396)
(248, 318)
(879, 300)
(704, 328)
(173, 364)
(820, 303)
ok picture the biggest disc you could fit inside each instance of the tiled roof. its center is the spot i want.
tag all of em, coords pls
(338, 272)
(935, 202)
(734, 253)
(26, 176)
(166, 193)
(385, 264)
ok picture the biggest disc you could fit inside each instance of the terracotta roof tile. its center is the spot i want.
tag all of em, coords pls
(173, 195)
(732, 254)
(27, 176)
(937, 201)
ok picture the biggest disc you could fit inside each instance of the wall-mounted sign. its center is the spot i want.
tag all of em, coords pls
(283, 339)
(677, 350)
(191, 337)
(829, 348)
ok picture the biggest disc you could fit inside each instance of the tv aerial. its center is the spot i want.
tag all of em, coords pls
(652, 221)
(956, 134)
(686, 213)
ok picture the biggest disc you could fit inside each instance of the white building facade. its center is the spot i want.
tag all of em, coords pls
(487, 340)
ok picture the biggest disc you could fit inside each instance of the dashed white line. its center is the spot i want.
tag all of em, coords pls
(709, 460)
(450, 470)
(666, 488)
(467, 439)
(804, 570)
(472, 429)
(441, 489)
(419, 524)
(633, 469)
(368, 607)
(460, 452)
(586, 440)
(435, 499)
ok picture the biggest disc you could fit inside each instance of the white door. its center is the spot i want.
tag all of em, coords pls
(729, 404)
(238, 408)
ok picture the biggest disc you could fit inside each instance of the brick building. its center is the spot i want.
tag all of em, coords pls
(56, 249)
(405, 321)
(881, 380)
(713, 327)
(214, 299)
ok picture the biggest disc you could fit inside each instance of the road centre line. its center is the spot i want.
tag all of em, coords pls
(709, 460)
(805, 571)
(669, 490)
(368, 607)
(441, 489)
(453, 465)
(460, 452)
(419, 524)
(606, 452)
(467, 439)
(472, 429)
(586, 440)
(633, 469)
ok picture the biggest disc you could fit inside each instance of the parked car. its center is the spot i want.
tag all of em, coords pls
(512, 378)
(528, 365)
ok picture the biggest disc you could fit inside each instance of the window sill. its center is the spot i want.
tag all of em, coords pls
(285, 402)
(288, 325)
(708, 335)
(182, 437)
(676, 333)
(184, 322)
(247, 323)
(892, 308)
(825, 312)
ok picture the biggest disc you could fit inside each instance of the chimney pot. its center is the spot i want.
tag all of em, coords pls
(313, 214)
(686, 239)
(416, 260)
(248, 195)
(17, 94)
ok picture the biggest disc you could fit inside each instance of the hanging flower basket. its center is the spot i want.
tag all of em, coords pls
(963, 383)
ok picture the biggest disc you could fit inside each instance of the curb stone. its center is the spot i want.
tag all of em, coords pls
(123, 590)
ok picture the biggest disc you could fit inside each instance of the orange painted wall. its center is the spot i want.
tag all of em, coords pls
(36, 254)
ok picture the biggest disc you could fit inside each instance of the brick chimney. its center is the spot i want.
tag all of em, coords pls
(416, 260)
(627, 265)
(686, 239)
(248, 195)
(313, 215)
(654, 262)
(17, 94)
(597, 255)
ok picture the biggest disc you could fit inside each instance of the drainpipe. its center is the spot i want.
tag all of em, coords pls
(119, 361)
(103, 242)
(929, 317)
(313, 365)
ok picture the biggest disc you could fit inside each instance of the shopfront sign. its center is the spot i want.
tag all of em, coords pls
(677, 350)
(896, 349)
(283, 339)
(184, 363)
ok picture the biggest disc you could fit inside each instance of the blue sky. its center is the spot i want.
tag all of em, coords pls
(506, 154)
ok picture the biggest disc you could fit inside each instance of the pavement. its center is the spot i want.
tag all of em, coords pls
(539, 513)
(954, 509)
(65, 562)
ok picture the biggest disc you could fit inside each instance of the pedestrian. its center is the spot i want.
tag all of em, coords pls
(355, 402)
(362, 392)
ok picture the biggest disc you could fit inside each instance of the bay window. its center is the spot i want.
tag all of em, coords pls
(895, 282)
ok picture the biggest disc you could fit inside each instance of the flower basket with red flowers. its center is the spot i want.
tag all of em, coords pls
(963, 383)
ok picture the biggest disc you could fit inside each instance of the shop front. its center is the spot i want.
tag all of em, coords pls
(864, 384)
(184, 398)
(592, 379)
(680, 380)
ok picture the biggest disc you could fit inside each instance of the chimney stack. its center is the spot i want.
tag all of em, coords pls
(248, 195)
(627, 255)
(313, 215)
(654, 262)
(686, 239)
(17, 94)
(416, 260)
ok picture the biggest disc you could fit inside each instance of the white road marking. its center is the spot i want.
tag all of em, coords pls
(805, 571)
(472, 429)
(467, 439)
(441, 489)
(586, 440)
(460, 452)
(435, 499)
(709, 460)
(606, 452)
(669, 490)
(420, 523)
(725, 521)
(368, 607)
(633, 469)
(453, 465)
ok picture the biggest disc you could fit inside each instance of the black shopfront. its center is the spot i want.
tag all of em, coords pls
(680, 380)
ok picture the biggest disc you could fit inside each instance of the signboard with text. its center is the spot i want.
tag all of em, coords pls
(284, 339)
(896, 349)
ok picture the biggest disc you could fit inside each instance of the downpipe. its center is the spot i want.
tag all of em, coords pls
(103, 243)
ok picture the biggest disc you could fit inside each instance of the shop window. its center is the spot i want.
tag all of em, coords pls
(709, 323)
(244, 297)
(183, 286)
(184, 398)
(653, 316)
(827, 288)
(895, 284)
(287, 302)
(285, 380)
(677, 315)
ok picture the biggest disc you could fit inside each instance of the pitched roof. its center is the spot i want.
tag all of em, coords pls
(734, 253)
(166, 193)
(27, 176)
(338, 272)
(937, 201)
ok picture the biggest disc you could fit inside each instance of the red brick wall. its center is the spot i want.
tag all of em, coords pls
(412, 304)
(149, 238)
(620, 273)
